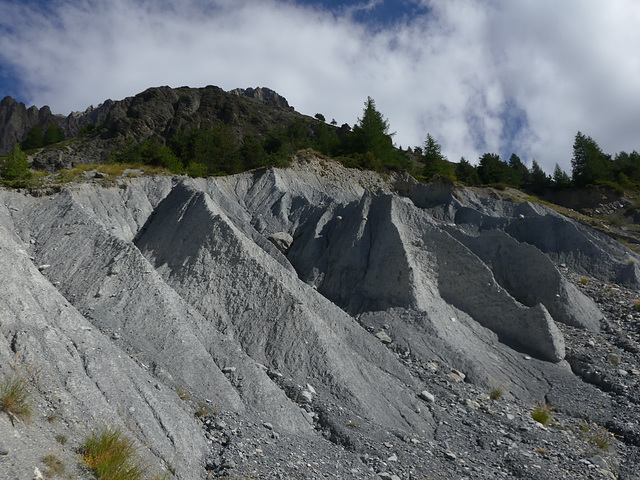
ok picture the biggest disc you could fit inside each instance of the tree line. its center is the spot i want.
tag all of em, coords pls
(589, 166)
(216, 150)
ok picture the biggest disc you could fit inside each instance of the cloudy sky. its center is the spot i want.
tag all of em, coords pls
(497, 76)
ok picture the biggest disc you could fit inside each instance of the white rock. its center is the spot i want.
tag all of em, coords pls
(427, 397)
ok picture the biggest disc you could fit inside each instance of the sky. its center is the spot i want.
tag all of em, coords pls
(498, 76)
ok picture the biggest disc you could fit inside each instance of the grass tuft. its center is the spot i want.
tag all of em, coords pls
(496, 393)
(601, 438)
(111, 455)
(542, 413)
(583, 280)
(55, 467)
(15, 397)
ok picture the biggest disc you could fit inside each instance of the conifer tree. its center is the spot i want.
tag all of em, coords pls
(589, 164)
(371, 134)
(15, 165)
(434, 161)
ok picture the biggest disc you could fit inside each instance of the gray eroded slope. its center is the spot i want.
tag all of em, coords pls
(165, 283)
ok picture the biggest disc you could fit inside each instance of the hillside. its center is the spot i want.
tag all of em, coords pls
(368, 346)
(304, 319)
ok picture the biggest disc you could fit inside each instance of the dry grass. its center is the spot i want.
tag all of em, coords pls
(583, 280)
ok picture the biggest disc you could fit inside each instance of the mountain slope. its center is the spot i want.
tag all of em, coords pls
(394, 312)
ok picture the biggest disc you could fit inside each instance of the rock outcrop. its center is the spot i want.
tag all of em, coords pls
(151, 299)
(16, 120)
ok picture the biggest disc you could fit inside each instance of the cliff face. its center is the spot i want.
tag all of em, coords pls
(365, 345)
(16, 120)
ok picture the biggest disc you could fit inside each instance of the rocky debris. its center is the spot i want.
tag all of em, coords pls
(391, 341)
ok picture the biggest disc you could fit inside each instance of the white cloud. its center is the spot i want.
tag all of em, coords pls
(458, 72)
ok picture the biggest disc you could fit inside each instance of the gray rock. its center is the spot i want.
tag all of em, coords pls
(282, 241)
(305, 396)
(3, 449)
(388, 476)
(427, 396)
(384, 337)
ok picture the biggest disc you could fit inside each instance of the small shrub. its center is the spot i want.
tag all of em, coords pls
(542, 413)
(55, 467)
(636, 303)
(112, 456)
(61, 439)
(583, 280)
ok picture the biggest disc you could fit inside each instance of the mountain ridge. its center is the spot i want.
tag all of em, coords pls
(16, 119)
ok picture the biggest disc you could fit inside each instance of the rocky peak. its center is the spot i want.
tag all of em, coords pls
(262, 94)
(16, 120)
(158, 111)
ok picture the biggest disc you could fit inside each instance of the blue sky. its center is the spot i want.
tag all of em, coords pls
(481, 76)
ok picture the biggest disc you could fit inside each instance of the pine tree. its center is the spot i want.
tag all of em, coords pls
(467, 173)
(34, 138)
(15, 165)
(560, 178)
(589, 164)
(519, 171)
(540, 181)
(53, 134)
(493, 170)
(434, 161)
(371, 134)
